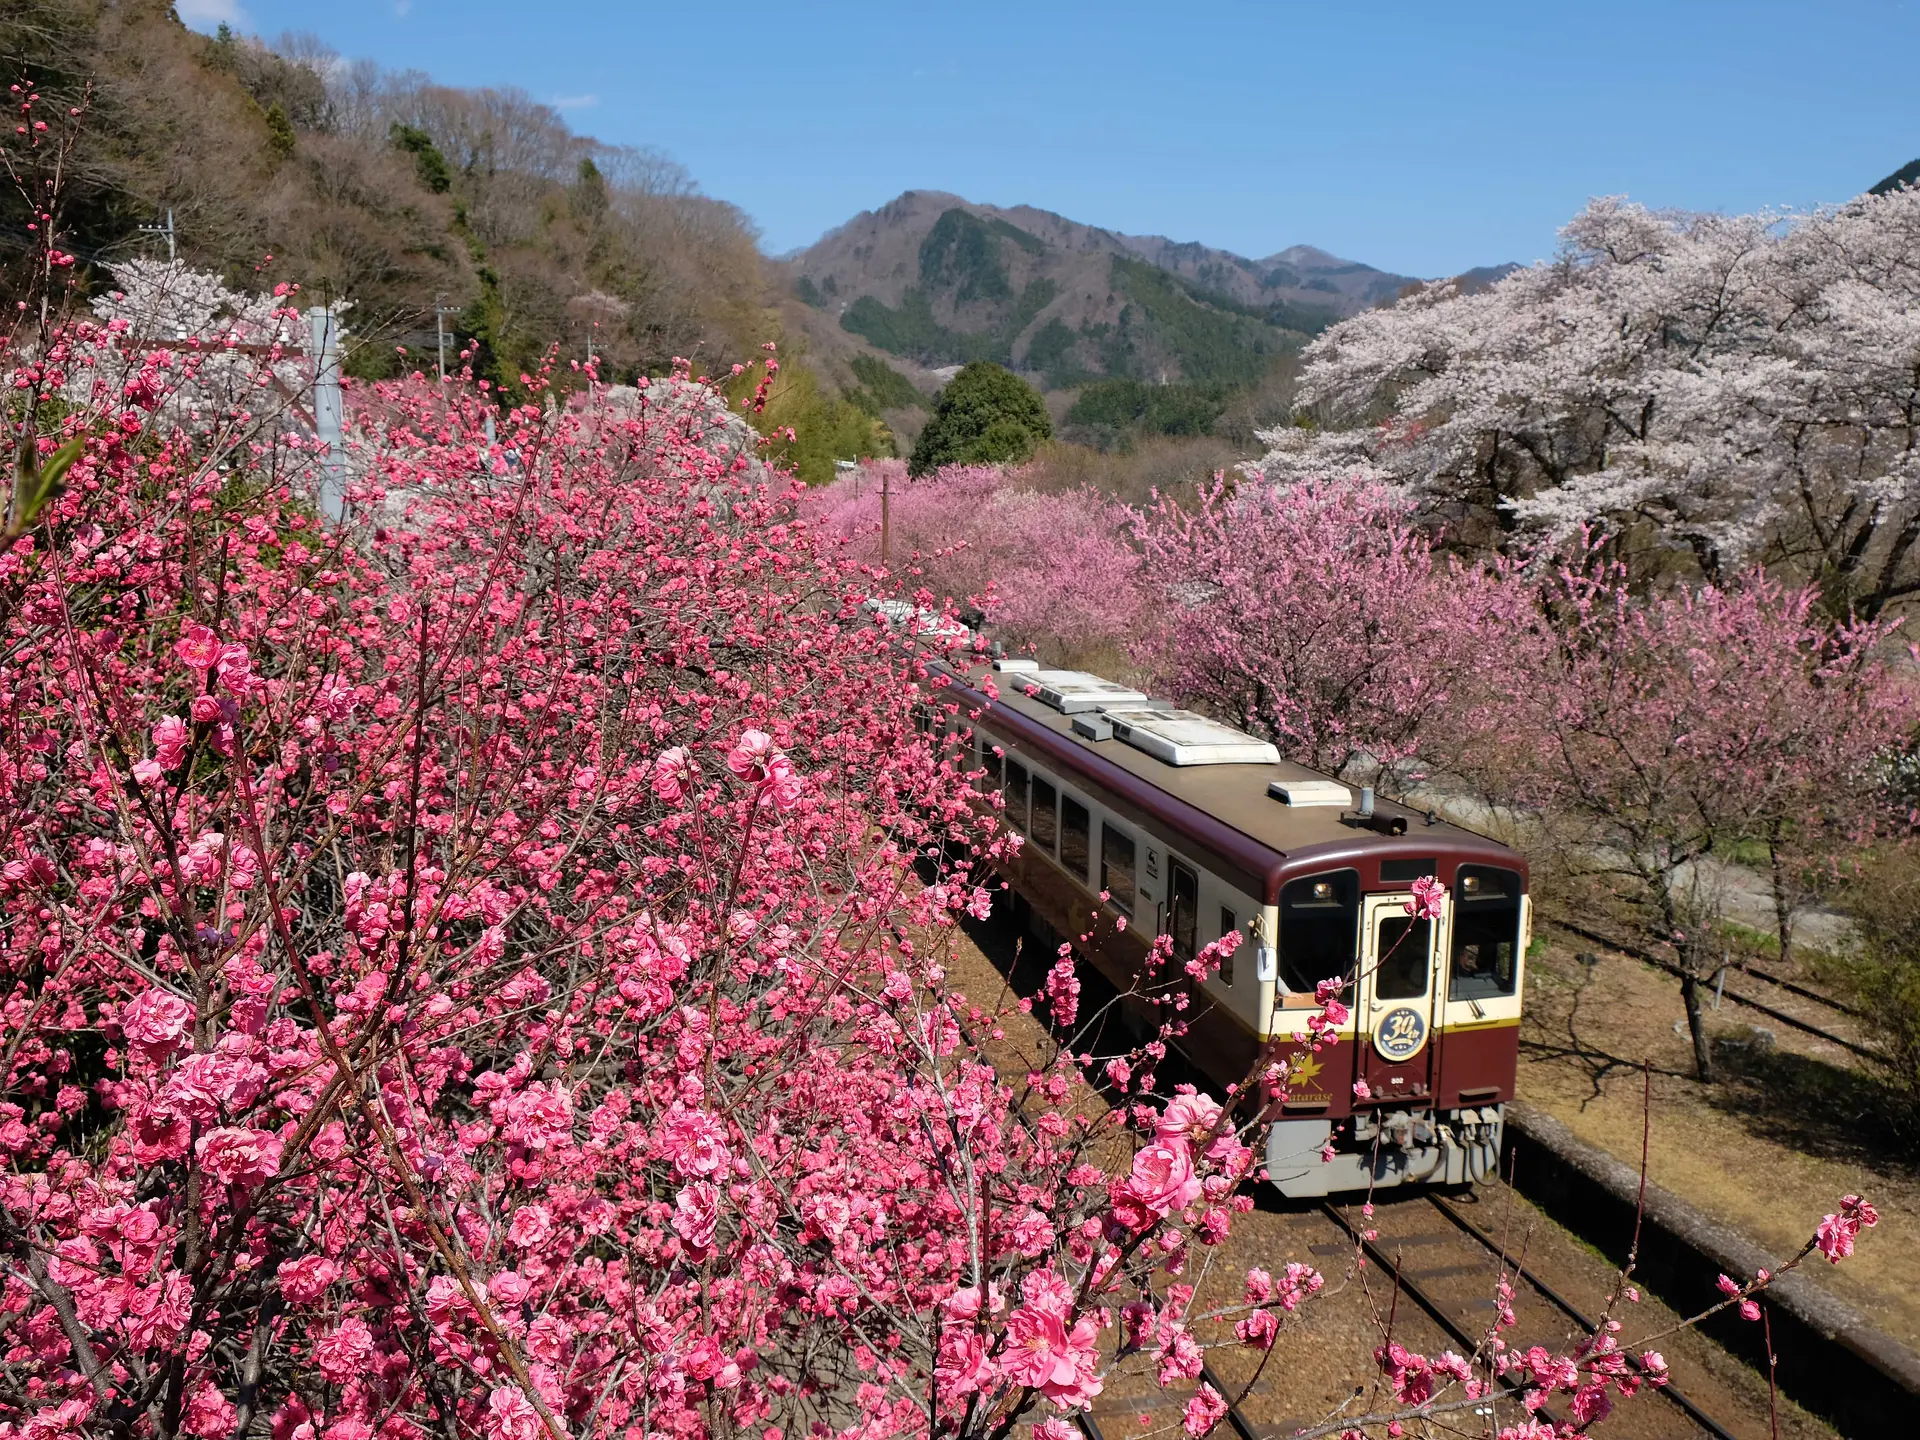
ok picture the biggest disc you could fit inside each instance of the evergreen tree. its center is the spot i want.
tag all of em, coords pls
(280, 136)
(429, 163)
(589, 198)
(986, 415)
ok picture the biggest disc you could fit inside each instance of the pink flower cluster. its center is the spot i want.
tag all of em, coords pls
(1837, 1232)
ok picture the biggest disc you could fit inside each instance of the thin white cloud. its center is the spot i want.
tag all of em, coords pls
(575, 102)
(402, 8)
(210, 14)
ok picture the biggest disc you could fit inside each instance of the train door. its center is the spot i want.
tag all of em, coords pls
(1180, 913)
(1397, 1000)
(1179, 919)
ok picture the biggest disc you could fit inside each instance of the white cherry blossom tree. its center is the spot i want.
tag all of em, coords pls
(1727, 390)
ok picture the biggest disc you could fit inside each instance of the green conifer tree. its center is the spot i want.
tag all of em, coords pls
(986, 415)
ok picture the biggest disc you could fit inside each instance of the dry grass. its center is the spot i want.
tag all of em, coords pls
(1790, 1128)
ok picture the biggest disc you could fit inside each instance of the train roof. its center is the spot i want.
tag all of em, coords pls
(1224, 792)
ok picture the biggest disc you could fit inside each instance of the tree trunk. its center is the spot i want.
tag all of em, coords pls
(1782, 902)
(1697, 1026)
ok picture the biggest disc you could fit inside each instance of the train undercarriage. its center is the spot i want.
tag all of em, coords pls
(1378, 1149)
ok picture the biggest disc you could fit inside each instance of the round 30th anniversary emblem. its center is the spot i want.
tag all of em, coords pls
(1400, 1034)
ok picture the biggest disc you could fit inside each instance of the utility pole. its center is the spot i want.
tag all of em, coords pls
(886, 493)
(166, 230)
(329, 411)
(440, 312)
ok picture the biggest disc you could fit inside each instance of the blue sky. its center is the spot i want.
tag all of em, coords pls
(1422, 138)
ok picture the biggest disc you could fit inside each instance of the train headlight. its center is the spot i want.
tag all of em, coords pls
(1469, 884)
(1323, 892)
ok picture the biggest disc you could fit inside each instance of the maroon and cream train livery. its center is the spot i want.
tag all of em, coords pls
(1195, 829)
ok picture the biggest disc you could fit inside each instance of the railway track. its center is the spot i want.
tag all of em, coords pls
(1747, 1001)
(1440, 1263)
(1453, 1292)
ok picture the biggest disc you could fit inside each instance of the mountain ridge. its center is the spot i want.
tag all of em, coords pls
(936, 279)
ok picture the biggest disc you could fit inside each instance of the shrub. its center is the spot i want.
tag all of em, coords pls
(479, 951)
(1321, 619)
(1052, 571)
(1881, 972)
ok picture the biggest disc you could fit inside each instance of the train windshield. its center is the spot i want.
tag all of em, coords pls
(1486, 933)
(1319, 928)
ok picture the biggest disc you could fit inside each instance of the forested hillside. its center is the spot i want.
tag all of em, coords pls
(1132, 335)
(937, 280)
(385, 188)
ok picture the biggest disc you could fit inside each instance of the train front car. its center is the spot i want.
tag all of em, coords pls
(1156, 820)
(1412, 1086)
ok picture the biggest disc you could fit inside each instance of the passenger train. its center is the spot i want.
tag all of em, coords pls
(1195, 830)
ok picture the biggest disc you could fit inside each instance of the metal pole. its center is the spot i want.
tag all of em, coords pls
(886, 491)
(440, 335)
(329, 411)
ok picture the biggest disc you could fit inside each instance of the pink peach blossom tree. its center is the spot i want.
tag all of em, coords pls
(1646, 731)
(1052, 571)
(1320, 617)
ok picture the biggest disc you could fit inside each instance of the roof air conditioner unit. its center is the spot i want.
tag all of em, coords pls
(1180, 737)
(1303, 793)
(1073, 691)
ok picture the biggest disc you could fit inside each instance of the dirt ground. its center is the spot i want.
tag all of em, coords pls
(1789, 1128)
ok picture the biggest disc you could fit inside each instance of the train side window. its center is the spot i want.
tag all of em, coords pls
(1319, 929)
(1016, 795)
(989, 761)
(1229, 923)
(1116, 867)
(1486, 933)
(1046, 820)
(1076, 837)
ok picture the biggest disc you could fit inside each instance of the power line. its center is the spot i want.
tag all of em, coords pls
(166, 230)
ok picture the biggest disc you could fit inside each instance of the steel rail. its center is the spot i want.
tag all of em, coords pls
(1648, 958)
(1241, 1425)
(1553, 1297)
(1573, 1313)
(1747, 967)
(1436, 1312)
